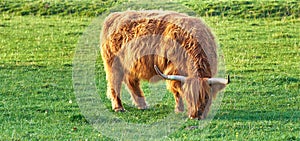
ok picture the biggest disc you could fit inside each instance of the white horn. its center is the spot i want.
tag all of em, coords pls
(169, 77)
(219, 80)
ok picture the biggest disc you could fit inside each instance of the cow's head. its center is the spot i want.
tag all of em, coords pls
(198, 92)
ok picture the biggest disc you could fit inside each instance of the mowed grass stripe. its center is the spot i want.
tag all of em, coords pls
(37, 100)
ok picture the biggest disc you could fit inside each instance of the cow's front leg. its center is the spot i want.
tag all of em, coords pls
(174, 87)
(136, 92)
(179, 107)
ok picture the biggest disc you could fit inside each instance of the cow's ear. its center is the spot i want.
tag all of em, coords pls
(216, 87)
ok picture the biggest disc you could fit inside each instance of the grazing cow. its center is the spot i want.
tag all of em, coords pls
(139, 45)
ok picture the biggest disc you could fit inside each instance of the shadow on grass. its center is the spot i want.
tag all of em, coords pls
(243, 115)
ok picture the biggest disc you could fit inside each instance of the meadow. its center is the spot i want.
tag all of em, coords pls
(260, 41)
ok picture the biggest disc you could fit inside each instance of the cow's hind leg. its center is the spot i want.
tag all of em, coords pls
(114, 76)
(136, 92)
(114, 94)
(174, 87)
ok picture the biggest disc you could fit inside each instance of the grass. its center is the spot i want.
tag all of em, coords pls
(262, 54)
(52, 7)
(36, 78)
(245, 9)
(263, 101)
(242, 9)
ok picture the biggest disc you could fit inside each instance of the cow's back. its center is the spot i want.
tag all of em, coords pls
(123, 34)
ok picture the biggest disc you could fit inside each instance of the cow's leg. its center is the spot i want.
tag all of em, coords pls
(136, 92)
(174, 87)
(114, 76)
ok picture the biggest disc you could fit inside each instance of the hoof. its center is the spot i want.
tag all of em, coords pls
(193, 118)
(178, 110)
(143, 108)
(119, 110)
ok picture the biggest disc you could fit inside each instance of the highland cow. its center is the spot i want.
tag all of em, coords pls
(139, 45)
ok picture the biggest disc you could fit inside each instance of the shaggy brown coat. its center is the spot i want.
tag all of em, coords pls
(132, 42)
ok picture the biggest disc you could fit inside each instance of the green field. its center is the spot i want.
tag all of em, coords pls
(260, 42)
